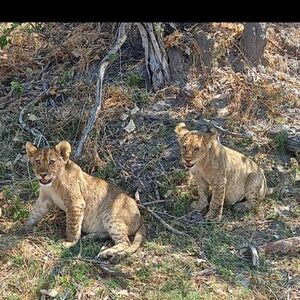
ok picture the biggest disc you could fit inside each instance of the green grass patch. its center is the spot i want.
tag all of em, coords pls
(139, 96)
(279, 142)
(17, 87)
(144, 273)
(18, 211)
(134, 80)
(108, 171)
(65, 77)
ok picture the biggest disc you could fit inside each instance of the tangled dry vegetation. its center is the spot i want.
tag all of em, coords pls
(60, 62)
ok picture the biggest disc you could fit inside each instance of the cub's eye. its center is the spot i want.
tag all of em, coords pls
(51, 162)
(196, 149)
(38, 162)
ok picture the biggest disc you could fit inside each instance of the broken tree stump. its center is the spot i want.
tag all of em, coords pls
(253, 41)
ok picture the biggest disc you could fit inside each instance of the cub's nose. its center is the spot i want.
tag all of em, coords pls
(43, 175)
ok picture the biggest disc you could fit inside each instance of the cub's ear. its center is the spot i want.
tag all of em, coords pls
(212, 134)
(181, 130)
(64, 149)
(30, 149)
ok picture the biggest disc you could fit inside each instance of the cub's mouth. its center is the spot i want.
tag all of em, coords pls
(189, 165)
(45, 181)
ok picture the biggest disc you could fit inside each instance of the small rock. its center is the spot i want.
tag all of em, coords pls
(130, 127)
(24, 158)
(9, 165)
(124, 117)
(223, 112)
(121, 142)
(51, 293)
(134, 110)
(168, 194)
(159, 105)
(18, 138)
(32, 117)
(245, 282)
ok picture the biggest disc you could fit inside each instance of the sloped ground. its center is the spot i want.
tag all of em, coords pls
(209, 263)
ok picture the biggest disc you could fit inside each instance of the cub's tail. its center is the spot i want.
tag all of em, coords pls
(279, 186)
(140, 233)
(138, 238)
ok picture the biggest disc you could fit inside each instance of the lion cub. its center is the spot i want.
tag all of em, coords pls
(92, 205)
(231, 175)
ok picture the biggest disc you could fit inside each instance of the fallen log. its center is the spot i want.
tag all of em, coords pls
(281, 247)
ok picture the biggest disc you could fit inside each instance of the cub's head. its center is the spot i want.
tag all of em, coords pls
(194, 145)
(47, 163)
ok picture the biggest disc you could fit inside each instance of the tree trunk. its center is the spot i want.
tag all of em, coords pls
(155, 54)
(253, 41)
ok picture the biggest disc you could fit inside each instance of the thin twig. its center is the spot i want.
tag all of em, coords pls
(35, 132)
(53, 40)
(121, 38)
(156, 201)
(65, 295)
(202, 122)
(137, 199)
(188, 214)
(102, 266)
(169, 227)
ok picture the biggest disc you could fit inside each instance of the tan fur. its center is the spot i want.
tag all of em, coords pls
(231, 175)
(92, 205)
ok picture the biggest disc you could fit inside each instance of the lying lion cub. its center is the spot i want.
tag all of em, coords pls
(91, 204)
(231, 175)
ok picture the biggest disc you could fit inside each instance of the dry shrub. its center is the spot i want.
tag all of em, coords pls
(115, 100)
(19, 55)
(168, 92)
(173, 40)
(59, 42)
(87, 43)
(244, 96)
(225, 36)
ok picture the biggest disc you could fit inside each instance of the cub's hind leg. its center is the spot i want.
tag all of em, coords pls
(254, 193)
(118, 231)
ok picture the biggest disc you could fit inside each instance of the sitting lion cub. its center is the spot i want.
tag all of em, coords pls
(231, 175)
(91, 204)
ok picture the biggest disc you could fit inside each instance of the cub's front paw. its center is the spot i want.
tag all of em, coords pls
(213, 216)
(111, 254)
(67, 244)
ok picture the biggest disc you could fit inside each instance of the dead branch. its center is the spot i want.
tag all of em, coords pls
(103, 267)
(169, 227)
(52, 39)
(202, 122)
(225, 131)
(120, 40)
(282, 247)
(35, 132)
(156, 201)
(137, 199)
